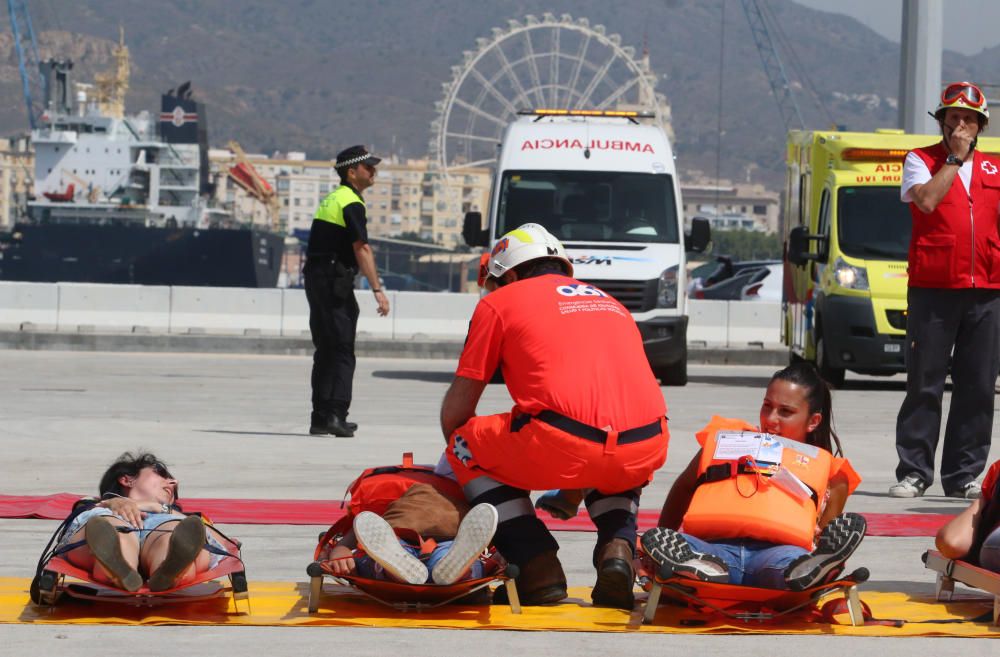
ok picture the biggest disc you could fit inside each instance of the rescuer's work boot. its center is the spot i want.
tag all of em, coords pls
(615, 575)
(540, 581)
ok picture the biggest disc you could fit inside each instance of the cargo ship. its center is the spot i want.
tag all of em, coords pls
(127, 199)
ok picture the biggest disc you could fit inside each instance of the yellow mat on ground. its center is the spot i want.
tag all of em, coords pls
(284, 603)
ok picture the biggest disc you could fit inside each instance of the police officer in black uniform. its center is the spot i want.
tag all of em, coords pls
(338, 249)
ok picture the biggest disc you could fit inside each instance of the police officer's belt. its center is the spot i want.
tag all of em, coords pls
(331, 260)
(587, 432)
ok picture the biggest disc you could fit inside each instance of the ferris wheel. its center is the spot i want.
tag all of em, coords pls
(547, 62)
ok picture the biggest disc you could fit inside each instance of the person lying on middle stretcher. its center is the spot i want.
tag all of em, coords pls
(427, 534)
(764, 509)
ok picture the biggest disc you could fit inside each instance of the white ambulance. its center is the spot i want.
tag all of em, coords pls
(604, 183)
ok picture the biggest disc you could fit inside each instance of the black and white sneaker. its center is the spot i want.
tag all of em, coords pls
(837, 542)
(674, 556)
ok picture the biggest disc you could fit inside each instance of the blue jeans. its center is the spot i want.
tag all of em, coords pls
(751, 562)
(367, 567)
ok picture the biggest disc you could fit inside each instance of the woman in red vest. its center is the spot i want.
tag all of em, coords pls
(762, 506)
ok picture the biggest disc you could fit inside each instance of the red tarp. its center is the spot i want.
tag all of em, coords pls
(326, 512)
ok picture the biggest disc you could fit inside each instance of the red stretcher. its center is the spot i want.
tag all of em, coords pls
(401, 596)
(950, 571)
(56, 577)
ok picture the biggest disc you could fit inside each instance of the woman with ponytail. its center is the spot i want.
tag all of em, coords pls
(763, 505)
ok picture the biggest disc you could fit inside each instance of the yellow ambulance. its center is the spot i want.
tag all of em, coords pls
(847, 235)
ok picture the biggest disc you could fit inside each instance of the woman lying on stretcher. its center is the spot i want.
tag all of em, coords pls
(136, 529)
(764, 509)
(427, 533)
(974, 534)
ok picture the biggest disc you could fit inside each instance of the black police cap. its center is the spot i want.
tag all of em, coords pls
(355, 155)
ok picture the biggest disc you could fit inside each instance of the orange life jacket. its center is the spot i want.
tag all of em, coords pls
(736, 497)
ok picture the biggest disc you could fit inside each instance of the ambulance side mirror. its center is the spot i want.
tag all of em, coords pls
(798, 246)
(472, 230)
(699, 237)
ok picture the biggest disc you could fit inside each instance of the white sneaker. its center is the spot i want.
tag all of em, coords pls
(473, 536)
(379, 541)
(970, 491)
(910, 486)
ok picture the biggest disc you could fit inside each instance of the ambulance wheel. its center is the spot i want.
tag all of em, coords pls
(673, 375)
(833, 375)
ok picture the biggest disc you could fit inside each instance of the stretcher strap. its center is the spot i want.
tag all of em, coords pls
(830, 610)
(51, 552)
(745, 466)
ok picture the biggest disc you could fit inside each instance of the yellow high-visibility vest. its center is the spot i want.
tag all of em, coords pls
(332, 207)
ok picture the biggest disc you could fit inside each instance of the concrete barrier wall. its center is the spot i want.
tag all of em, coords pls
(35, 305)
(139, 308)
(294, 313)
(225, 310)
(370, 325)
(754, 323)
(708, 323)
(272, 312)
(433, 315)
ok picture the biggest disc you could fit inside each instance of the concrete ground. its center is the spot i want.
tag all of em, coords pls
(236, 426)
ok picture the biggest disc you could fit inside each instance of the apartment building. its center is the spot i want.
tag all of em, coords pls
(408, 197)
(731, 206)
(17, 166)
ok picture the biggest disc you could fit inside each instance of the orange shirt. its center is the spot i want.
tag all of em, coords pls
(564, 346)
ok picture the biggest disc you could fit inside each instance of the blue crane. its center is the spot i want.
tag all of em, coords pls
(32, 82)
(773, 67)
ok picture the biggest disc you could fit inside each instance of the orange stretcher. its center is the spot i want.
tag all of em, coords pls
(950, 571)
(749, 604)
(402, 596)
(56, 577)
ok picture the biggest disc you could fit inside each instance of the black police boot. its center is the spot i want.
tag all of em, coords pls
(340, 428)
(319, 424)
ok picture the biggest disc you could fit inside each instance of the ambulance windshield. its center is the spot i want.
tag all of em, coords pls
(872, 223)
(591, 206)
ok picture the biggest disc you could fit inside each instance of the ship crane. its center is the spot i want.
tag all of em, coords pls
(249, 179)
(33, 85)
(773, 67)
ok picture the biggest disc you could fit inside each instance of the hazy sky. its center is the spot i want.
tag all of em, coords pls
(969, 25)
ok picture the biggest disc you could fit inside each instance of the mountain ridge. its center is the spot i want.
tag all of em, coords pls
(317, 76)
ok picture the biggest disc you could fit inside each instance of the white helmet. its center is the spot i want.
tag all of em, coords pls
(527, 242)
